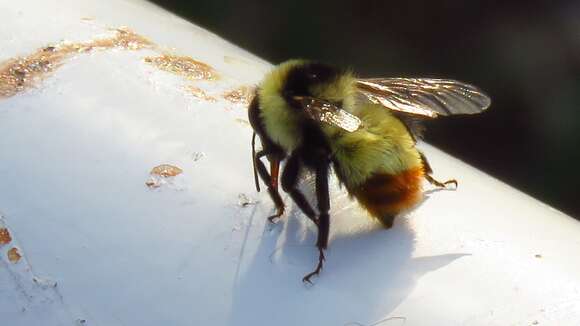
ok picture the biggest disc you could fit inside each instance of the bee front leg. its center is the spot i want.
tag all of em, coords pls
(269, 181)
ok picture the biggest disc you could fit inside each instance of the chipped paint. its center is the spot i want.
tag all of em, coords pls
(31, 292)
(5, 237)
(22, 73)
(241, 95)
(183, 66)
(13, 255)
(199, 93)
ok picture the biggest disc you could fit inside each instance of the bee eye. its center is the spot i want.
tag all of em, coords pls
(312, 76)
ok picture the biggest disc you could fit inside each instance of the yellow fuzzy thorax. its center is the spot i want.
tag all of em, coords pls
(383, 145)
(280, 121)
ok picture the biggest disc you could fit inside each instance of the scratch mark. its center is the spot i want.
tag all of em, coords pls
(243, 247)
(380, 322)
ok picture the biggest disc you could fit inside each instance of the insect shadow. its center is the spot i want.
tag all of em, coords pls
(369, 271)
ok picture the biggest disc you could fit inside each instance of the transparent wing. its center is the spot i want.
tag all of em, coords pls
(329, 113)
(424, 96)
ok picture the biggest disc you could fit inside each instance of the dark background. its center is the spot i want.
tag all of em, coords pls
(524, 54)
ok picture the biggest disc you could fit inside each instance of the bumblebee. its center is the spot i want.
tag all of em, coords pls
(313, 116)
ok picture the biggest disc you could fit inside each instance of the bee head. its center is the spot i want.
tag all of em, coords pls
(309, 79)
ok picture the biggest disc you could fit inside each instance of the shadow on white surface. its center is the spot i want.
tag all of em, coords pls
(365, 277)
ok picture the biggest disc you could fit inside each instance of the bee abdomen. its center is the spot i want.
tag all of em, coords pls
(386, 195)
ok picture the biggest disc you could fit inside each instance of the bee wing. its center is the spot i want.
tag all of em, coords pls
(424, 96)
(329, 113)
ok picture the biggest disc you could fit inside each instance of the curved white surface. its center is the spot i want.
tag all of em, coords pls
(100, 248)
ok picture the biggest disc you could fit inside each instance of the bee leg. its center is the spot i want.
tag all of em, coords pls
(429, 171)
(289, 181)
(323, 198)
(306, 278)
(388, 221)
(439, 183)
(268, 180)
(254, 158)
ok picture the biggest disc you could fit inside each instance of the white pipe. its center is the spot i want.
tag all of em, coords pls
(80, 134)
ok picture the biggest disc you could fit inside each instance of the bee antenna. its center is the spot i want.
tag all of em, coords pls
(254, 162)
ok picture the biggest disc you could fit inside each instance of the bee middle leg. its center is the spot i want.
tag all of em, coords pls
(289, 183)
(323, 199)
(433, 181)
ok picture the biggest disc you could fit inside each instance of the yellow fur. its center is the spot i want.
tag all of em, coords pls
(383, 145)
(341, 90)
(280, 122)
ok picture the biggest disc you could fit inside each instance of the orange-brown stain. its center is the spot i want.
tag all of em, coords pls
(183, 66)
(162, 171)
(166, 170)
(21, 73)
(241, 95)
(13, 255)
(5, 237)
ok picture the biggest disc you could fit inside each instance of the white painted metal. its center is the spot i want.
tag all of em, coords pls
(100, 248)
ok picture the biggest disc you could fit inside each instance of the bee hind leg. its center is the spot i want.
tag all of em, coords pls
(439, 183)
(428, 171)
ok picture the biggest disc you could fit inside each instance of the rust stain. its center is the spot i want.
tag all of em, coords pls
(166, 170)
(183, 66)
(161, 172)
(21, 73)
(241, 95)
(199, 93)
(5, 237)
(13, 255)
